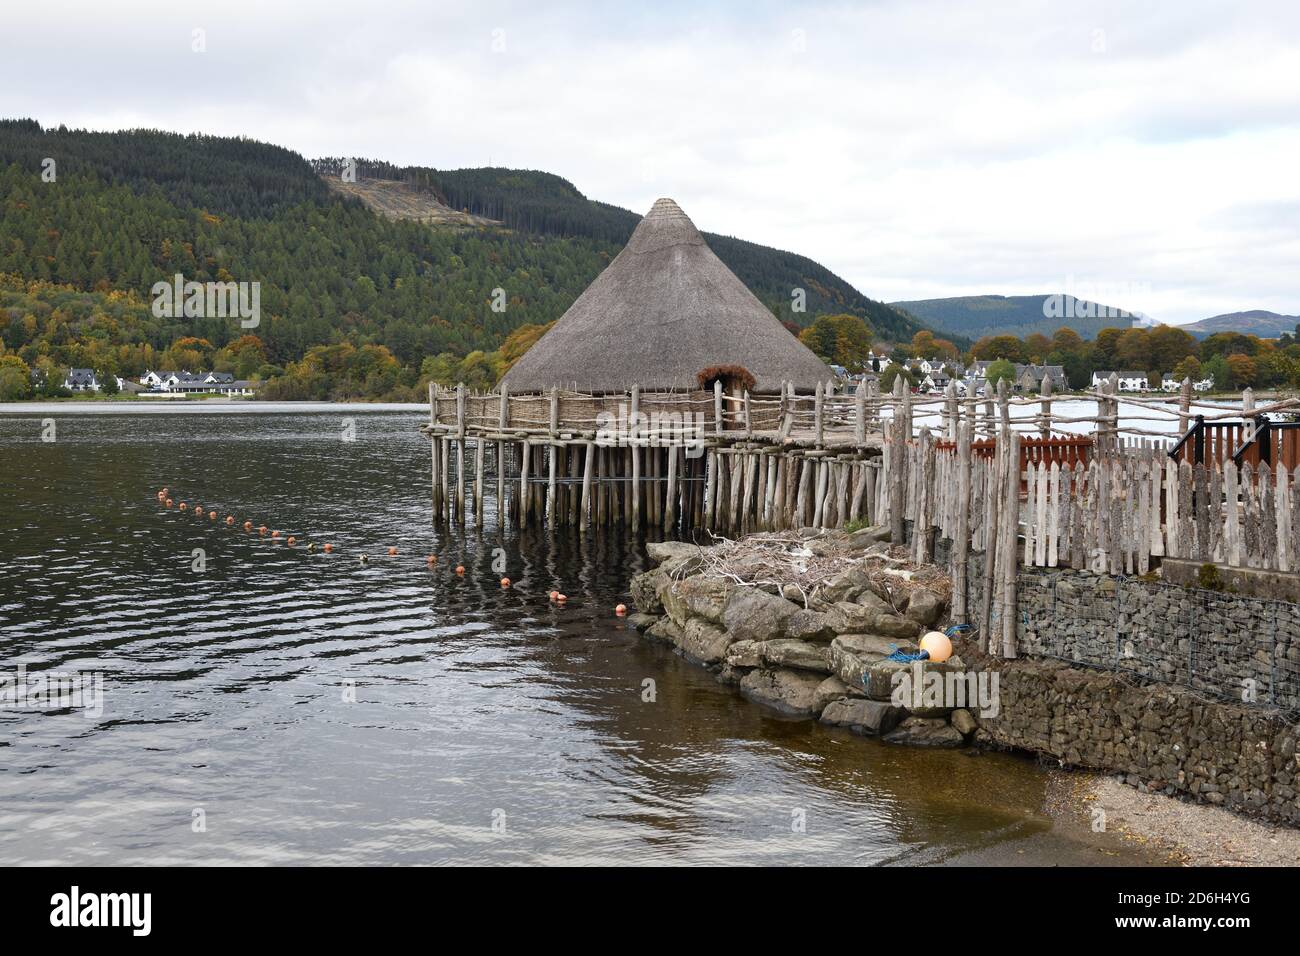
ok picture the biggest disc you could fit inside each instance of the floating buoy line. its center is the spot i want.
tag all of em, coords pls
(556, 598)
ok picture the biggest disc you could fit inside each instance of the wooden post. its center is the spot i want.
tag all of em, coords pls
(435, 444)
(961, 537)
(950, 405)
(710, 487)
(634, 434)
(551, 450)
(584, 510)
(717, 407)
(1184, 405)
(924, 499)
(749, 424)
(670, 504)
(525, 453)
(859, 415)
(897, 464)
(990, 427)
(444, 457)
(503, 418)
(1010, 566)
(817, 415)
(1045, 408)
(478, 481)
(1248, 424)
(460, 480)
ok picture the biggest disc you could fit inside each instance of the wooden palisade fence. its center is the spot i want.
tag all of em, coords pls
(928, 467)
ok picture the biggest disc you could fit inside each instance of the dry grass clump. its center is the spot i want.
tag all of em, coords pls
(775, 559)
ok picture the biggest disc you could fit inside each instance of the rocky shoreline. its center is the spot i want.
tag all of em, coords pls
(818, 626)
(823, 650)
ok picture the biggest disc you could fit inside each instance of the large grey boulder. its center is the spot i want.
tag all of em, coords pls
(924, 607)
(674, 556)
(789, 691)
(844, 586)
(850, 655)
(863, 716)
(807, 625)
(803, 655)
(699, 596)
(964, 721)
(645, 588)
(849, 618)
(832, 689)
(926, 732)
(867, 536)
(753, 615)
(745, 654)
(703, 642)
(882, 677)
(665, 629)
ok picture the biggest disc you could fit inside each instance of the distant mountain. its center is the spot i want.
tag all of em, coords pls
(975, 316)
(1266, 325)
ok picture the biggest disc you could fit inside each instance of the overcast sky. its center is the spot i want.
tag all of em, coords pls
(1146, 153)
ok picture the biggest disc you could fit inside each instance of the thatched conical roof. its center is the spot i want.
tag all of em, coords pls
(664, 310)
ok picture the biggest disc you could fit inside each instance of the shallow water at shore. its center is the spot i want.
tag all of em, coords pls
(487, 725)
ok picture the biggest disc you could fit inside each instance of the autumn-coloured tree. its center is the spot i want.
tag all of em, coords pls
(840, 339)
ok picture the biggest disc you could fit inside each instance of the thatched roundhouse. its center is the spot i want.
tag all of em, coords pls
(666, 314)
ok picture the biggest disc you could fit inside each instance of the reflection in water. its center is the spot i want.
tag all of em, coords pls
(228, 689)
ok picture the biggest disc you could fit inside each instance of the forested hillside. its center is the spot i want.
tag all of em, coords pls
(339, 285)
(542, 203)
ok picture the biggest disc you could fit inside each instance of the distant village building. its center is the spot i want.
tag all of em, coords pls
(1129, 381)
(1029, 378)
(666, 314)
(196, 383)
(81, 380)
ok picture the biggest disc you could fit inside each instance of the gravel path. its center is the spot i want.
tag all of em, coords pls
(1183, 833)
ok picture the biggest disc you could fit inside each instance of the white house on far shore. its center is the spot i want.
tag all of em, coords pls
(1129, 381)
(81, 380)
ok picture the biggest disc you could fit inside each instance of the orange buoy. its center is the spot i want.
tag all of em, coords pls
(261, 529)
(168, 502)
(553, 595)
(230, 519)
(275, 534)
(291, 541)
(560, 598)
(621, 610)
(460, 569)
(937, 645)
(328, 547)
(198, 508)
(431, 559)
(248, 526)
(161, 495)
(505, 582)
(212, 516)
(182, 506)
(392, 551)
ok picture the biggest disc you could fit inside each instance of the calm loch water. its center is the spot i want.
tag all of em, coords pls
(280, 706)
